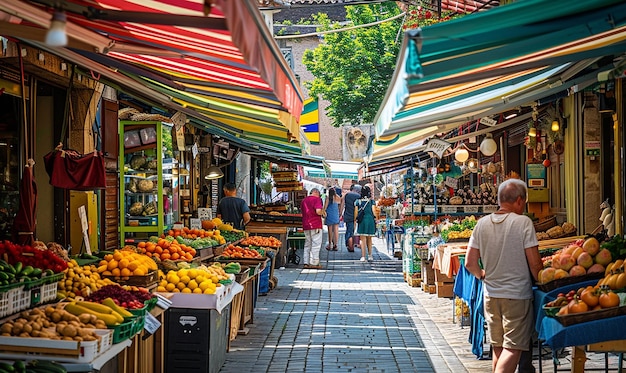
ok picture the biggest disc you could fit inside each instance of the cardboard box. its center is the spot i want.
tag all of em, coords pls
(428, 274)
(222, 297)
(440, 277)
(445, 290)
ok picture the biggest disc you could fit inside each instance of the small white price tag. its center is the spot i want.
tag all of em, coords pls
(471, 209)
(195, 223)
(152, 324)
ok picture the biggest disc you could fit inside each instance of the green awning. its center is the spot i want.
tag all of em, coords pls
(488, 62)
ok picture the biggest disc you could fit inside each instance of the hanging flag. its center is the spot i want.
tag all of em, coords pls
(310, 120)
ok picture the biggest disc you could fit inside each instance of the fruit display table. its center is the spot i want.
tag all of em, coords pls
(553, 334)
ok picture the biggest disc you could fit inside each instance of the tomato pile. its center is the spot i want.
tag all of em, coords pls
(29, 256)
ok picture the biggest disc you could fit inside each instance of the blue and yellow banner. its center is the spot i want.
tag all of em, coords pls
(310, 120)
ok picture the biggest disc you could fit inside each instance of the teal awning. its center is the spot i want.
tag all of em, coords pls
(488, 62)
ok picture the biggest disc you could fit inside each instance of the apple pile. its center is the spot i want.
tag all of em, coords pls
(576, 259)
(585, 299)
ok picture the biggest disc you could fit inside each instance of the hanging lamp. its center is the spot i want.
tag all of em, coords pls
(488, 146)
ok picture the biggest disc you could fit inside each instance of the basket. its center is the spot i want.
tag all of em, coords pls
(555, 284)
(577, 318)
(552, 311)
(143, 281)
(545, 223)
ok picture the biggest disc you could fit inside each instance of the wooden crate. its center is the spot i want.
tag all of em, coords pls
(428, 273)
(444, 289)
(440, 277)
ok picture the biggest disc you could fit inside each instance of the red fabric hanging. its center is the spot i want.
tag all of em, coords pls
(69, 169)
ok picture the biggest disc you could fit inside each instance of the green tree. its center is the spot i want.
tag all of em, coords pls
(353, 68)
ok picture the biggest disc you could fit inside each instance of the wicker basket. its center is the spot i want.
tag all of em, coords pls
(577, 318)
(545, 223)
(554, 284)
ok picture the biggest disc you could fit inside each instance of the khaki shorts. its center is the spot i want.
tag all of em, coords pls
(510, 322)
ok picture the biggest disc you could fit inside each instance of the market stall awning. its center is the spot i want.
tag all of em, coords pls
(216, 57)
(488, 62)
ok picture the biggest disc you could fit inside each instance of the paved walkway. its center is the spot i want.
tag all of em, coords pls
(357, 317)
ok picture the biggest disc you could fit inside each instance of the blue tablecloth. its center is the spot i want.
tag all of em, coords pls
(557, 336)
(470, 289)
(542, 298)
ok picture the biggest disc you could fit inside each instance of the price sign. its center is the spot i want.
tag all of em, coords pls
(195, 223)
(82, 213)
(205, 213)
(429, 208)
(448, 209)
(151, 324)
(470, 209)
(452, 182)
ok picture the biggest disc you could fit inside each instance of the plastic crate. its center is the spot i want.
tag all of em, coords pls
(7, 296)
(139, 312)
(122, 331)
(138, 324)
(150, 303)
(21, 299)
(106, 339)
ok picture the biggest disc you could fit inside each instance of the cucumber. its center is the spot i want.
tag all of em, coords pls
(26, 271)
(7, 367)
(4, 276)
(18, 267)
(20, 366)
(46, 366)
(10, 269)
(36, 273)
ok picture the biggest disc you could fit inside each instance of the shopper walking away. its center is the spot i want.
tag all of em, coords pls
(232, 209)
(503, 242)
(346, 210)
(366, 228)
(312, 210)
(331, 207)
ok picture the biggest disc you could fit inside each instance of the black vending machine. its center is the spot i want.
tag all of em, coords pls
(196, 340)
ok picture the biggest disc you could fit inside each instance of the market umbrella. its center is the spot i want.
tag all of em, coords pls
(25, 219)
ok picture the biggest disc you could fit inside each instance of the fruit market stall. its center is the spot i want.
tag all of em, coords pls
(583, 309)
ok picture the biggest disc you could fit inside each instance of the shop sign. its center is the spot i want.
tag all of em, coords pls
(488, 121)
(437, 146)
(536, 174)
(592, 148)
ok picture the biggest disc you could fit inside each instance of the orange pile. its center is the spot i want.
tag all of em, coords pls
(126, 263)
(164, 249)
(195, 233)
(233, 251)
(261, 241)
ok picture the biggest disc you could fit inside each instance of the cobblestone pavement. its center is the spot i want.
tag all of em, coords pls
(352, 316)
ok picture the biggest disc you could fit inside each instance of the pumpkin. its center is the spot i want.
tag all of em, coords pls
(208, 225)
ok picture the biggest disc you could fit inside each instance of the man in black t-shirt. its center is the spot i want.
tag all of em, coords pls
(233, 209)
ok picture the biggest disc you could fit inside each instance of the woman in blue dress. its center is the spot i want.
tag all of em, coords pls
(331, 208)
(366, 229)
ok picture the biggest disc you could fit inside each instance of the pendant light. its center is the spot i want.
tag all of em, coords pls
(532, 132)
(56, 36)
(461, 154)
(213, 173)
(488, 146)
(555, 125)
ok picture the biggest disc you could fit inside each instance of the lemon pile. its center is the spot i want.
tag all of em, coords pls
(200, 280)
(80, 280)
